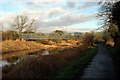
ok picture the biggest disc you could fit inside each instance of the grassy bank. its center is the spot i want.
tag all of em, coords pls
(76, 65)
(17, 45)
(66, 61)
(115, 53)
(43, 66)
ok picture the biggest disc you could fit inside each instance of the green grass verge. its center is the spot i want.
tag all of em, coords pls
(76, 65)
(115, 54)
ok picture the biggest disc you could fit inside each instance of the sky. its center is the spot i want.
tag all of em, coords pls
(50, 15)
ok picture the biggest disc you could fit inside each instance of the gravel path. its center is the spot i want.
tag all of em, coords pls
(101, 65)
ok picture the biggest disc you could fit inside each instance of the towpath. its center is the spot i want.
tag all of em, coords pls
(101, 66)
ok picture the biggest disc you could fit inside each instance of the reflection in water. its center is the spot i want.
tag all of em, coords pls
(4, 63)
(18, 53)
(14, 62)
(14, 58)
(45, 52)
(17, 61)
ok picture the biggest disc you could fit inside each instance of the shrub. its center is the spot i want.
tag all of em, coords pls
(10, 35)
(88, 40)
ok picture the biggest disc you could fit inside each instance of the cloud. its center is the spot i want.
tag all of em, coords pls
(67, 20)
(6, 19)
(56, 11)
(35, 4)
(71, 29)
(63, 28)
(44, 15)
(49, 17)
(34, 13)
(71, 4)
(78, 29)
(87, 5)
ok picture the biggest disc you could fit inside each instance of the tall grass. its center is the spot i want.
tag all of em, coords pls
(76, 66)
(43, 66)
(46, 67)
(10, 45)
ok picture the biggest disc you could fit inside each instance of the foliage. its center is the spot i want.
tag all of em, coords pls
(116, 14)
(59, 32)
(87, 39)
(9, 35)
(109, 12)
(105, 36)
(97, 37)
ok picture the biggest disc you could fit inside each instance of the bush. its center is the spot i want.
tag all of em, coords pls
(88, 40)
(10, 35)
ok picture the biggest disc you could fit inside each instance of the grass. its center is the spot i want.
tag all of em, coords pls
(16, 45)
(115, 54)
(69, 62)
(43, 66)
(39, 52)
(56, 51)
(75, 66)
(11, 45)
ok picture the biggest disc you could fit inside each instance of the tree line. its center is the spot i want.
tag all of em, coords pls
(109, 13)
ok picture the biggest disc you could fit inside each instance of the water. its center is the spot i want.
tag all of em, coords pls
(45, 52)
(18, 53)
(21, 56)
(4, 63)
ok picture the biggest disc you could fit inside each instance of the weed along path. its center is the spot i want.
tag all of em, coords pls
(101, 65)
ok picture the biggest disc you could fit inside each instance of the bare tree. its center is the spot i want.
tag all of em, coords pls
(30, 28)
(22, 23)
